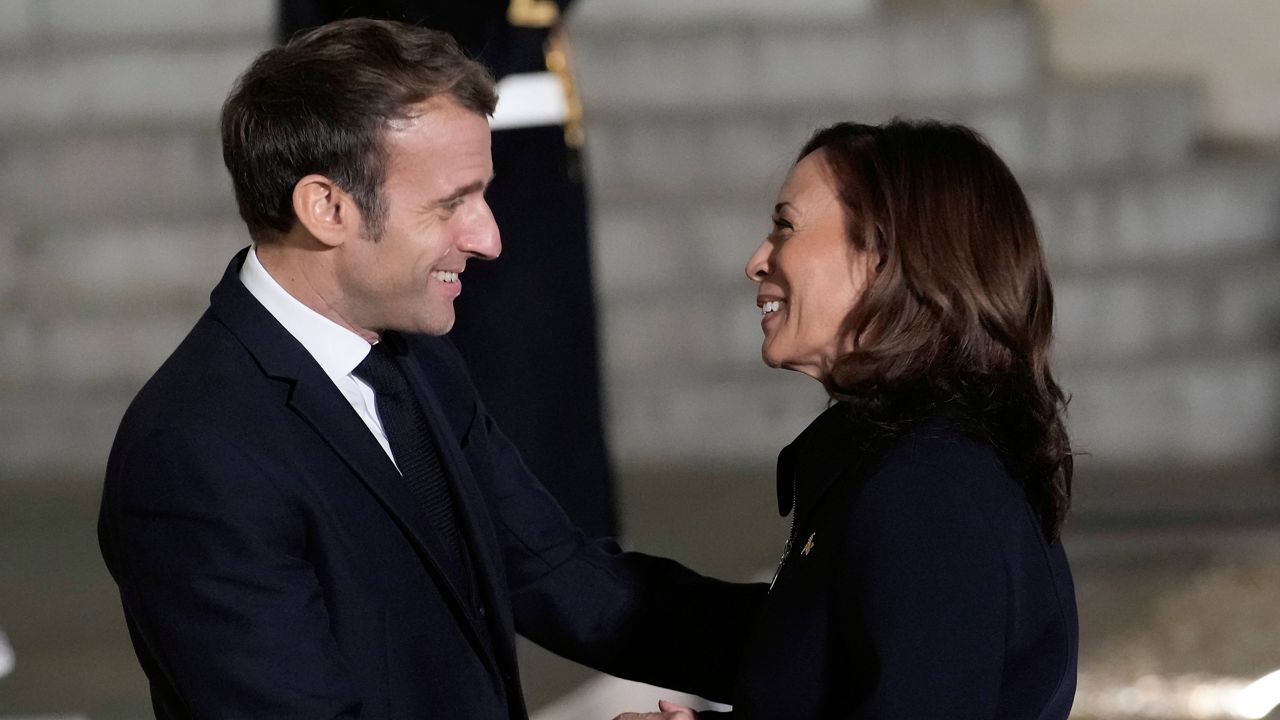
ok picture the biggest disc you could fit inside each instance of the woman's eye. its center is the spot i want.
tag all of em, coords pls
(780, 225)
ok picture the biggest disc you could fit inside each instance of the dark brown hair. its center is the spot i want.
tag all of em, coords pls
(958, 314)
(321, 104)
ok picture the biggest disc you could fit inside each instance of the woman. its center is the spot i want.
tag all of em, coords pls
(923, 577)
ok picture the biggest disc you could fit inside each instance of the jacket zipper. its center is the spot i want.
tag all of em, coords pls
(791, 535)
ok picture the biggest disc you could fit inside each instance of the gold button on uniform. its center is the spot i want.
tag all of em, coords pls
(533, 13)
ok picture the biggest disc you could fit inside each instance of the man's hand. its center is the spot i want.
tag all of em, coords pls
(666, 711)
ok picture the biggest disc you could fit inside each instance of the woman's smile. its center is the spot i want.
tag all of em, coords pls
(809, 275)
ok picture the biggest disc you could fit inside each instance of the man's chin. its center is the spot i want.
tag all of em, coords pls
(438, 323)
(434, 324)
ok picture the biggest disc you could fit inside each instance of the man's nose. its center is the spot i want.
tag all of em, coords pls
(482, 240)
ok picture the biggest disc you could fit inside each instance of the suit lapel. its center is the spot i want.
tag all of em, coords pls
(315, 399)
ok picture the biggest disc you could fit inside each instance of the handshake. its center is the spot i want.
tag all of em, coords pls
(666, 711)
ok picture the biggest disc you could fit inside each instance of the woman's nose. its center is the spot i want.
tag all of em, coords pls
(758, 264)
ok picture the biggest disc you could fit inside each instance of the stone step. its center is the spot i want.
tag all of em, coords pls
(1140, 314)
(653, 14)
(1132, 314)
(1193, 409)
(114, 85)
(129, 267)
(47, 430)
(1056, 131)
(661, 241)
(730, 60)
(1220, 205)
(93, 347)
(71, 26)
(1189, 409)
(84, 178)
(694, 418)
(109, 303)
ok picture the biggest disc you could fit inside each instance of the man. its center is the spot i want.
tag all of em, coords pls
(308, 511)
(522, 358)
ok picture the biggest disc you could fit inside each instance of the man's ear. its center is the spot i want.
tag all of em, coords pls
(327, 211)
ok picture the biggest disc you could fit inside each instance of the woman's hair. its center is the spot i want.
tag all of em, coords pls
(958, 314)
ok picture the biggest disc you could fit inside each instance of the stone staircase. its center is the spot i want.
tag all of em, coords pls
(116, 217)
(1166, 256)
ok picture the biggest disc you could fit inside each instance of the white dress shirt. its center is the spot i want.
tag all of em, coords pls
(337, 349)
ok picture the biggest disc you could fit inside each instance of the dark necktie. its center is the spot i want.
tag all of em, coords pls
(415, 452)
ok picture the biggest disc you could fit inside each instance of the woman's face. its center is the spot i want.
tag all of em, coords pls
(808, 275)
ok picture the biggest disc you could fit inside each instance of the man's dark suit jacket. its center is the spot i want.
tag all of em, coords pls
(919, 586)
(273, 564)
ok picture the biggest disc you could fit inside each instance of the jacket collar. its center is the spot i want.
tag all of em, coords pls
(816, 458)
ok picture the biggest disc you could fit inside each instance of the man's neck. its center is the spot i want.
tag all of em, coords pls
(307, 275)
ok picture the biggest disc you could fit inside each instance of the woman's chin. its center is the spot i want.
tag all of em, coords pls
(771, 359)
(782, 364)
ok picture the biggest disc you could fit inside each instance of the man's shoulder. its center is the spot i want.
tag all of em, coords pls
(207, 376)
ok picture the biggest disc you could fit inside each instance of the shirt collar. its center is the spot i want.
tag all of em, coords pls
(336, 349)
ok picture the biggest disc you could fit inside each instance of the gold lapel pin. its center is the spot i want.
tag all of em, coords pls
(808, 546)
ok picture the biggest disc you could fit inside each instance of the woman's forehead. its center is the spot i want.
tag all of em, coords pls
(811, 186)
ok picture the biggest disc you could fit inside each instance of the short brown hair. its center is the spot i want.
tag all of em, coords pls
(959, 307)
(321, 103)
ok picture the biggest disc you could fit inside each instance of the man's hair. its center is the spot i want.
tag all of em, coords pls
(322, 103)
(959, 309)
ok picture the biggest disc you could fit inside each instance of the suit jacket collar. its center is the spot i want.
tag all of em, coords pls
(315, 398)
(816, 458)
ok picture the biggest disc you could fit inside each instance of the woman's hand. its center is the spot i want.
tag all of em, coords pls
(666, 711)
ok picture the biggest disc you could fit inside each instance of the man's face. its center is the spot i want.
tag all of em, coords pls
(437, 218)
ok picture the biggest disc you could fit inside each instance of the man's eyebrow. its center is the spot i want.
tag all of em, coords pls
(475, 187)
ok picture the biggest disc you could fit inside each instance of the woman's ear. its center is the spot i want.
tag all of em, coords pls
(326, 211)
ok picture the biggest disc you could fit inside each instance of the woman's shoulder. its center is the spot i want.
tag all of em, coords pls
(940, 469)
(943, 450)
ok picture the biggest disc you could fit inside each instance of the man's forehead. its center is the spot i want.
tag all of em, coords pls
(440, 142)
(434, 111)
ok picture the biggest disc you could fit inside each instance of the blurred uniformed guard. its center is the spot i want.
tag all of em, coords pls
(529, 330)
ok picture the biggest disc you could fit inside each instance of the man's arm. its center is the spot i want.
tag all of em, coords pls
(619, 612)
(209, 558)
